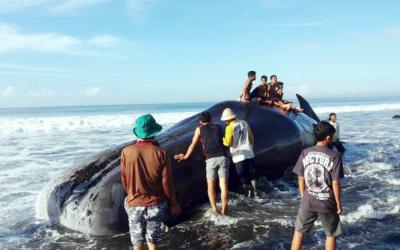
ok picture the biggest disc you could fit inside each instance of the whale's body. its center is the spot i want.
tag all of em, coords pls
(89, 197)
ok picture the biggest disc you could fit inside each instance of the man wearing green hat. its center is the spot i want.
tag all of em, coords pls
(147, 179)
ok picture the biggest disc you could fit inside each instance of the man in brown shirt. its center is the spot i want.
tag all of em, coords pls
(147, 179)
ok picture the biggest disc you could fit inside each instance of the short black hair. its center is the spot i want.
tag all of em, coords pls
(273, 77)
(264, 77)
(332, 114)
(251, 73)
(279, 83)
(323, 129)
(205, 117)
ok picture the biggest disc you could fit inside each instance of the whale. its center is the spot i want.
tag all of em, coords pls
(396, 117)
(89, 196)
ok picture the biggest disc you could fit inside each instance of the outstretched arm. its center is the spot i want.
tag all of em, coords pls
(196, 138)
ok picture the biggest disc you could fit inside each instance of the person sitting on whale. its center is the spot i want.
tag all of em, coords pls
(260, 93)
(274, 96)
(248, 84)
(285, 105)
(217, 163)
(147, 179)
(239, 138)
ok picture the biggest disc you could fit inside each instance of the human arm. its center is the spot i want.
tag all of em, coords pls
(195, 139)
(227, 140)
(300, 180)
(336, 193)
(169, 190)
(123, 168)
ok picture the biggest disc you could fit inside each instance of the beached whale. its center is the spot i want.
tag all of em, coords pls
(89, 197)
(396, 117)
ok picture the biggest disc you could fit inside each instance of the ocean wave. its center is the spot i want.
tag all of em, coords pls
(357, 108)
(70, 123)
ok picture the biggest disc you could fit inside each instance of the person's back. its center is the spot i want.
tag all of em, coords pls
(211, 139)
(143, 167)
(242, 143)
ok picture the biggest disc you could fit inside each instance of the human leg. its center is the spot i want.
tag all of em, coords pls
(251, 164)
(223, 174)
(297, 240)
(137, 225)
(154, 218)
(211, 195)
(330, 243)
(331, 224)
(211, 173)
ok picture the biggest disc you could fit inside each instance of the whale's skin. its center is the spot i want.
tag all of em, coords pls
(89, 197)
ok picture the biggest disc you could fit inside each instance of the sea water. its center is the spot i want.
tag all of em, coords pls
(37, 144)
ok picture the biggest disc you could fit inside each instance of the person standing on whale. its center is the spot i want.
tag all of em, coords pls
(147, 179)
(239, 138)
(319, 170)
(217, 163)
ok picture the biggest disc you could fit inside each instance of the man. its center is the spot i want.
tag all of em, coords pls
(285, 105)
(336, 137)
(248, 84)
(147, 179)
(217, 164)
(260, 93)
(239, 138)
(319, 170)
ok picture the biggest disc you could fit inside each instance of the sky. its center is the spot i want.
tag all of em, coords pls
(104, 52)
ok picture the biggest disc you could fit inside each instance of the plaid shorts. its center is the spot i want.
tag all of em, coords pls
(145, 223)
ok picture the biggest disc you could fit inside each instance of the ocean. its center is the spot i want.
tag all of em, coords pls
(37, 144)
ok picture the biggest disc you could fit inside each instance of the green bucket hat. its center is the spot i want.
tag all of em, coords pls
(146, 127)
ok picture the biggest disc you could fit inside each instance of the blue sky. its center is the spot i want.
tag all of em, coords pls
(88, 52)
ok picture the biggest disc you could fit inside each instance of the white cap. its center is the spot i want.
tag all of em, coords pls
(227, 115)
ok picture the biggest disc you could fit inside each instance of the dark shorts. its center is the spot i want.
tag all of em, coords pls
(330, 222)
(246, 170)
(145, 223)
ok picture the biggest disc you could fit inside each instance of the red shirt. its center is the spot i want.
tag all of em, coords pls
(146, 174)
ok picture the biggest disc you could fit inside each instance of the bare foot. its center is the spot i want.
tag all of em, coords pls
(215, 211)
(224, 211)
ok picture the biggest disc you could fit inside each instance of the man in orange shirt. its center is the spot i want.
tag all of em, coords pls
(147, 179)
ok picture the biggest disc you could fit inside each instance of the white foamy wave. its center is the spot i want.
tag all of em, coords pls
(357, 108)
(368, 211)
(70, 123)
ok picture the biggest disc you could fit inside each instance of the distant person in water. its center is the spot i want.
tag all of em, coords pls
(336, 137)
(147, 179)
(239, 138)
(248, 84)
(260, 93)
(319, 170)
(217, 163)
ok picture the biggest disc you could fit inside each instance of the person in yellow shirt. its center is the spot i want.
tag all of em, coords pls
(239, 138)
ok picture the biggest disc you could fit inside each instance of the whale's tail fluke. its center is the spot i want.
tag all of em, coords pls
(307, 108)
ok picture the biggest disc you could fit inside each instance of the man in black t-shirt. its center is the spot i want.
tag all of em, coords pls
(217, 163)
(319, 170)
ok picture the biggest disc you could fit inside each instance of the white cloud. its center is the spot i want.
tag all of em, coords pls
(104, 41)
(12, 39)
(93, 91)
(68, 5)
(8, 91)
(43, 92)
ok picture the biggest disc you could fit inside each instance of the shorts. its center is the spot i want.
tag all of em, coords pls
(330, 222)
(145, 223)
(217, 167)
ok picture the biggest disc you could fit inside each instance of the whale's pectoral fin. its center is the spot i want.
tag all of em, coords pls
(307, 108)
